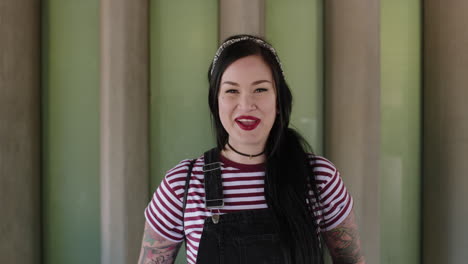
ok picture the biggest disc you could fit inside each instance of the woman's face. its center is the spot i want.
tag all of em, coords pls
(247, 102)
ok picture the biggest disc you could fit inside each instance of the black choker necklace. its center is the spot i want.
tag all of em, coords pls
(243, 154)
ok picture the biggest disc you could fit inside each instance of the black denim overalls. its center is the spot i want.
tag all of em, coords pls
(245, 237)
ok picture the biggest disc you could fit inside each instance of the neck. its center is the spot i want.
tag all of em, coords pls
(251, 152)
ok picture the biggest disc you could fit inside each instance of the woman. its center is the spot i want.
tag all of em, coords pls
(259, 196)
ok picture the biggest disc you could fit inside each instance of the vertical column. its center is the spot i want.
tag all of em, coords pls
(19, 132)
(124, 128)
(241, 17)
(352, 109)
(445, 182)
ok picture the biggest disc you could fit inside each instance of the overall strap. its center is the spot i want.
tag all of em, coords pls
(186, 189)
(187, 182)
(212, 178)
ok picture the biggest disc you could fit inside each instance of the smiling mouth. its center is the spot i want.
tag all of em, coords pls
(247, 122)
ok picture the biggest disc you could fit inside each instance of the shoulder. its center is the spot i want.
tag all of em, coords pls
(323, 169)
(321, 163)
(176, 176)
(183, 165)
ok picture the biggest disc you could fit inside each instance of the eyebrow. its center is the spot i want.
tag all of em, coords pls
(254, 83)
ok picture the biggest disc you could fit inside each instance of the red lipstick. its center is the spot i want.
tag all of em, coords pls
(247, 122)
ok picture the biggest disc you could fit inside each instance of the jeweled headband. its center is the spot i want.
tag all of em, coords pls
(232, 41)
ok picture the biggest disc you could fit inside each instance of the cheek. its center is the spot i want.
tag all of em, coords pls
(220, 105)
(269, 105)
(272, 112)
(223, 108)
(225, 102)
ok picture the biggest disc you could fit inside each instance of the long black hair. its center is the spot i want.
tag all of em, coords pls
(287, 164)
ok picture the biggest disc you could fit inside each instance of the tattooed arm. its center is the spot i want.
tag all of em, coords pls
(343, 242)
(155, 249)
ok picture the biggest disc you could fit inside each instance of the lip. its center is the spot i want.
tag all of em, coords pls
(248, 126)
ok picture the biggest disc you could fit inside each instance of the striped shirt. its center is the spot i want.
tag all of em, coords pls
(243, 189)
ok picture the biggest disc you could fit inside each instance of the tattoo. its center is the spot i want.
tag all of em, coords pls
(157, 249)
(156, 255)
(344, 243)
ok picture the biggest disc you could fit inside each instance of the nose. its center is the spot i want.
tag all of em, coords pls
(247, 102)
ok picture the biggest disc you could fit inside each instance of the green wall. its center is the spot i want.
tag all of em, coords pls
(70, 132)
(400, 131)
(296, 31)
(183, 39)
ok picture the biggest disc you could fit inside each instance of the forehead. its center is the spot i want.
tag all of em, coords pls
(247, 69)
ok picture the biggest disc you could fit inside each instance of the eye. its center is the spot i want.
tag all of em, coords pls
(231, 91)
(260, 90)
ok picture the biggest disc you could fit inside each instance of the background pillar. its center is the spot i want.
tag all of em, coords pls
(352, 108)
(19, 132)
(241, 17)
(445, 182)
(124, 128)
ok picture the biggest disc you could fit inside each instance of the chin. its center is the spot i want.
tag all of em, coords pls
(247, 137)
